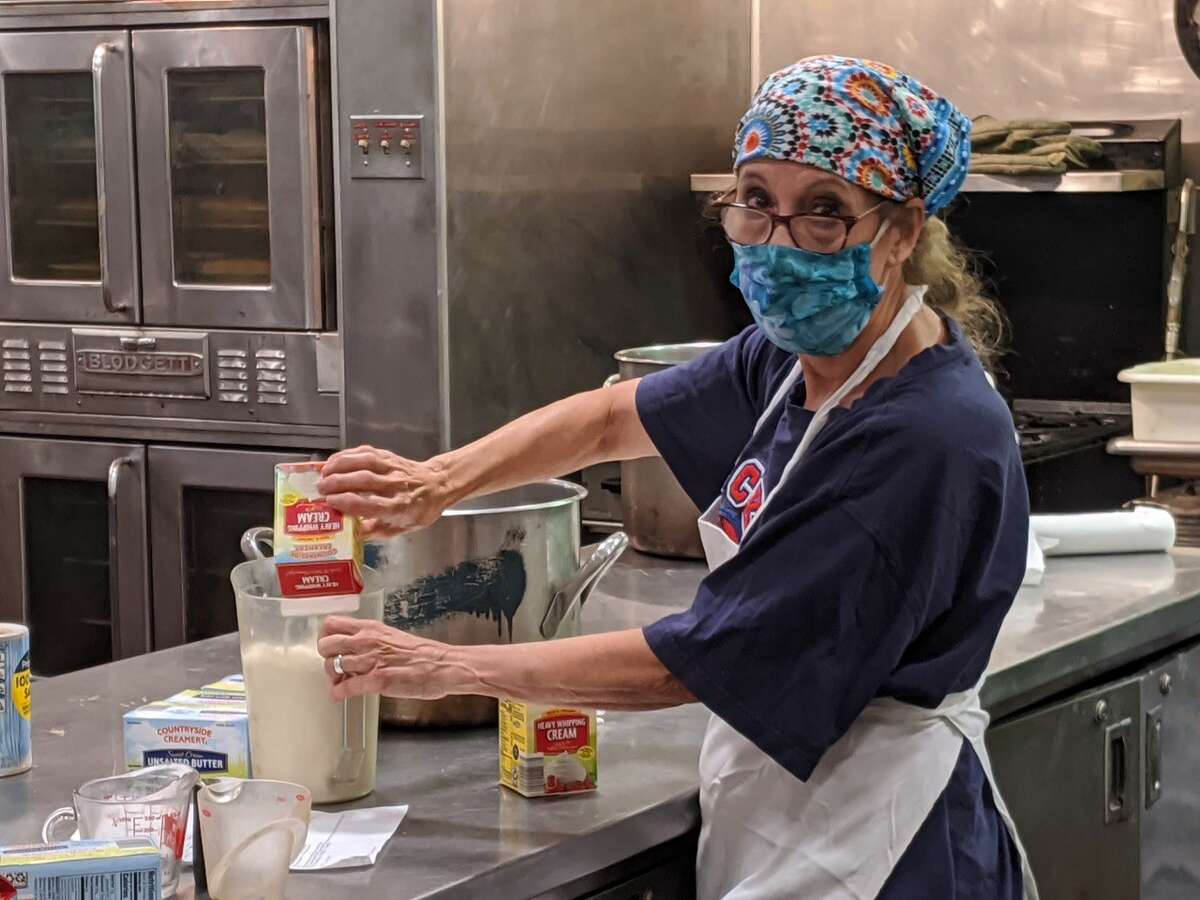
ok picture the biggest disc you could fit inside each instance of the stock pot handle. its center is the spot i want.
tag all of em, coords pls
(253, 541)
(579, 588)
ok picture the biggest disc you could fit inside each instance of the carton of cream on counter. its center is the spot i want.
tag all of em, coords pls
(99, 870)
(318, 551)
(547, 750)
(210, 734)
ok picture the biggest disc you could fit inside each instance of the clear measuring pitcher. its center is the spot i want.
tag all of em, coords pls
(251, 832)
(149, 803)
(296, 732)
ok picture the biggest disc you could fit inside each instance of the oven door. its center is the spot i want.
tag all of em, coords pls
(201, 501)
(68, 251)
(227, 177)
(73, 554)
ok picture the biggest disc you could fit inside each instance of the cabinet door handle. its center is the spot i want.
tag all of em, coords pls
(1118, 804)
(114, 549)
(1154, 728)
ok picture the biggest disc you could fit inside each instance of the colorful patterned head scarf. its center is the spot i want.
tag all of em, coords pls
(861, 120)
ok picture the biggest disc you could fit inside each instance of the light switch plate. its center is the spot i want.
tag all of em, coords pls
(386, 146)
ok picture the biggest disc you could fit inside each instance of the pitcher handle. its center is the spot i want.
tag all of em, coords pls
(579, 587)
(254, 539)
(51, 826)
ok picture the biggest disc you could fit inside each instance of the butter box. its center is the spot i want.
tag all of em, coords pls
(231, 687)
(210, 734)
(318, 551)
(98, 870)
(547, 750)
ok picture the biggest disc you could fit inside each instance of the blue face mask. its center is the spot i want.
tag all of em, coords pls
(814, 304)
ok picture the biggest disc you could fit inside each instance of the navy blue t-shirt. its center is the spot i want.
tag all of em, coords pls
(883, 568)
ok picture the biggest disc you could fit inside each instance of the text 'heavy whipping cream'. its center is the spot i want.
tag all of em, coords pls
(547, 750)
(318, 551)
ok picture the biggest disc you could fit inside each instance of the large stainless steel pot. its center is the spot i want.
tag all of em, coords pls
(503, 568)
(659, 516)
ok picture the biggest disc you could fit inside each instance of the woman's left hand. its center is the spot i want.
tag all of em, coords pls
(379, 659)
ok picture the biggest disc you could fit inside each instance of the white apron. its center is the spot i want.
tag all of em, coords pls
(765, 833)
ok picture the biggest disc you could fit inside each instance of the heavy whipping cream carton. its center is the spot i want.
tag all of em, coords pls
(547, 750)
(318, 551)
(209, 733)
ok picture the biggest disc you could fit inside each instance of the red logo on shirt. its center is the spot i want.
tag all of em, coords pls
(745, 493)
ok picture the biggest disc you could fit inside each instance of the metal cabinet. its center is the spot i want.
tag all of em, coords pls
(1069, 774)
(672, 880)
(73, 556)
(201, 501)
(1105, 785)
(68, 239)
(1170, 819)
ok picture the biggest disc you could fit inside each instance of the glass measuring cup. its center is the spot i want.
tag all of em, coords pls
(251, 832)
(150, 803)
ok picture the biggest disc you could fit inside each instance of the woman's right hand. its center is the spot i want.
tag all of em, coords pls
(390, 494)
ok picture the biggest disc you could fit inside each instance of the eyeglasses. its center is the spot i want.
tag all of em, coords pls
(820, 234)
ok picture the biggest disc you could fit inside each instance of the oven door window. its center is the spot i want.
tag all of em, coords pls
(67, 560)
(214, 521)
(50, 123)
(217, 123)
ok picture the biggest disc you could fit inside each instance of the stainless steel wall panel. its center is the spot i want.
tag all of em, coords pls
(1079, 59)
(385, 61)
(571, 130)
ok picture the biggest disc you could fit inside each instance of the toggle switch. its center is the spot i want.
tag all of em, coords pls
(391, 145)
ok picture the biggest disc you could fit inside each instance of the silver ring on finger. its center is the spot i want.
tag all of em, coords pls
(337, 665)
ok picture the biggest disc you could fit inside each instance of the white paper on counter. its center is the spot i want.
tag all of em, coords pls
(342, 840)
(1143, 529)
(1035, 562)
(338, 840)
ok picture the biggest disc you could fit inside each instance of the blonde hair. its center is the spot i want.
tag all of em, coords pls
(956, 290)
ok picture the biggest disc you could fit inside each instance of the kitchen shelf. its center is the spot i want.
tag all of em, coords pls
(1110, 182)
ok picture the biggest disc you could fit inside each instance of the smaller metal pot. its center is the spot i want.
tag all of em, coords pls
(657, 513)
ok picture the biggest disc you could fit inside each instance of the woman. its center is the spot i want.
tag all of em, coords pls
(865, 526)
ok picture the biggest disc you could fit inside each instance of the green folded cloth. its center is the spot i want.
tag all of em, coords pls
(988, 132)
(1050, 163)
(1080, 151)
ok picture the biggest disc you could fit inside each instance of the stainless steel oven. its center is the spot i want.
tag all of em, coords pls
(116, 548)
(162, 249)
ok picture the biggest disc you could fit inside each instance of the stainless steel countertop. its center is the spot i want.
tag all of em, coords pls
(466, 837)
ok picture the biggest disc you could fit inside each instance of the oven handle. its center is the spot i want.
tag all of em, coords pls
(114, 553)
(99, 57)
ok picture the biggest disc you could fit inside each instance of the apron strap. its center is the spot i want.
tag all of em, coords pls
(881, 348)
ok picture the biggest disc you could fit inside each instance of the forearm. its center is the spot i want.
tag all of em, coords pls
(566, 436)
(615, 671)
